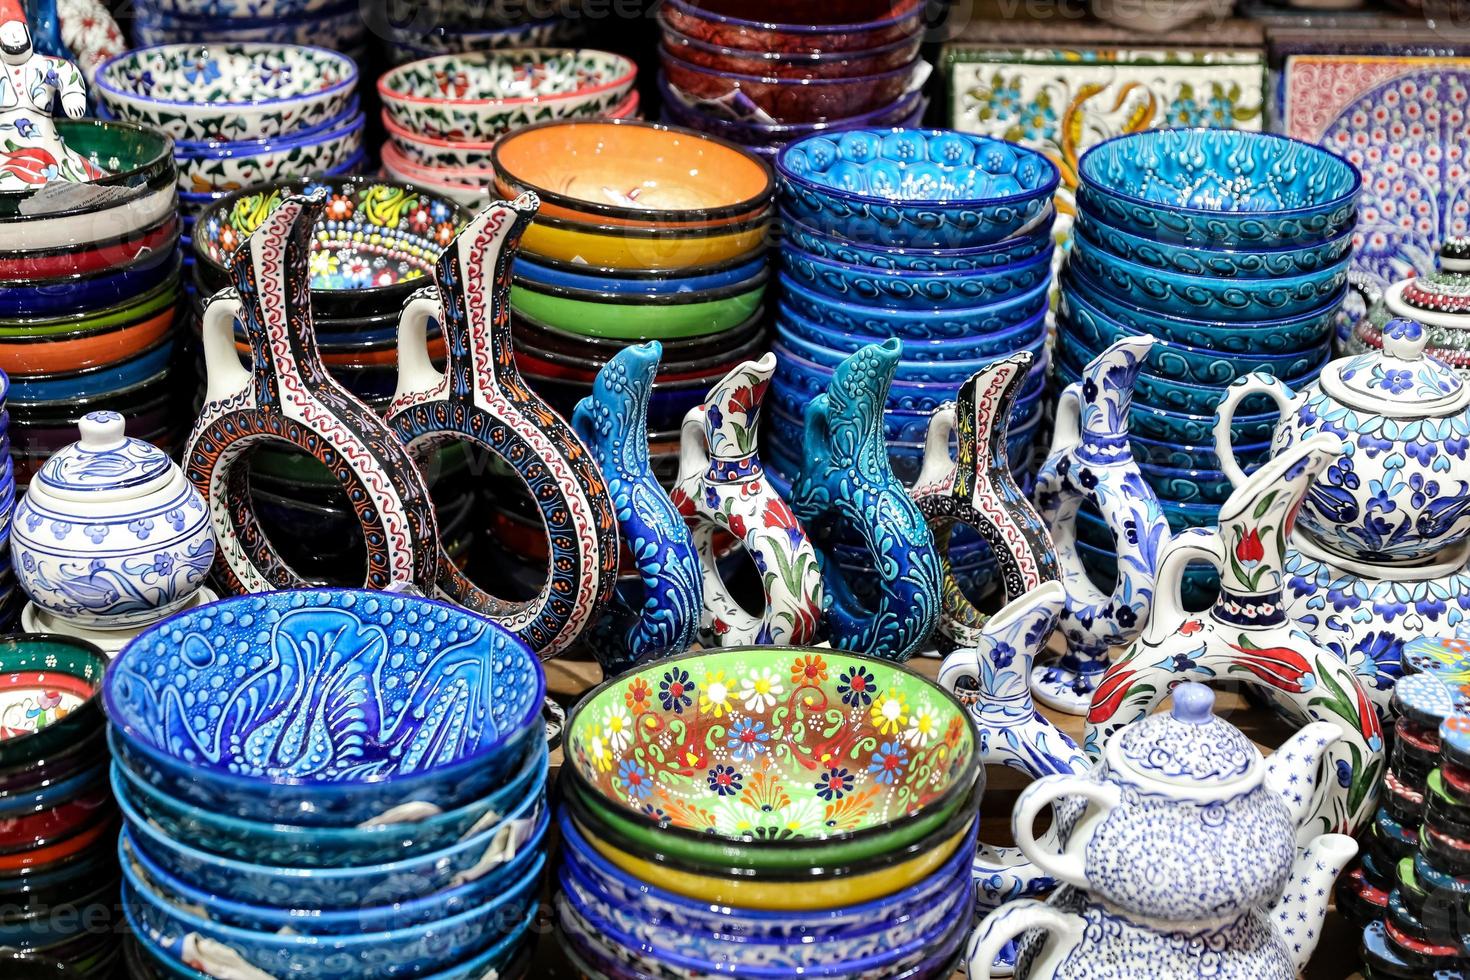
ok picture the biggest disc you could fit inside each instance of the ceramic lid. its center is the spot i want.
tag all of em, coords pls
(1399, 381)
(104, 464)
(1445, 291)
(1189, 746)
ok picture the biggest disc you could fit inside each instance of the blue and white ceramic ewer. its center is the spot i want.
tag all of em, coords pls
(657, 613)
(847, 487)
(1092, 462)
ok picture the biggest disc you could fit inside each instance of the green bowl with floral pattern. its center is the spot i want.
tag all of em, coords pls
(770, 758)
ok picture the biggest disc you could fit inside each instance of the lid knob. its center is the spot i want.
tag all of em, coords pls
(1193, 703)
(1405, 339)
(1454, 255)
(102, 431)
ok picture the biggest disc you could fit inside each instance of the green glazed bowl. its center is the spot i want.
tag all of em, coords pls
(734, 756)
(48, 696)
(133, 156)
(156, 300)
(625, 317)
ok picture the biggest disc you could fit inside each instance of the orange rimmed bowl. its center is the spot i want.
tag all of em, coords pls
(85, 348)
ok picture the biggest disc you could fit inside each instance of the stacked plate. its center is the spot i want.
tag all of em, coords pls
(744, 71)
(89, 290)
(58, 823)
(402, 835)
(443, 114)
(328, 23)
(764, 812)
(1232, 249)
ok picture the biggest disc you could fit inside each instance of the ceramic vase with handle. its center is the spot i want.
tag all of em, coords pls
(1091, 461)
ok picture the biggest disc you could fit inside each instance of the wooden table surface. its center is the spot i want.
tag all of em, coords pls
(1336, 956)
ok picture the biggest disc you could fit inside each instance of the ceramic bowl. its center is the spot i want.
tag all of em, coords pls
(417, 41)
(131, 309)
(1231, 300)
(570, 275)
(799, 380)
(1309, 331)
(1219, 188)
(192, 204)
(75, 296)
(47, 696)
(532, 334)
(92, 381)
(767, 25)
(1201, 457)
(1183, 428)
(1198, 588)
(790, 99)
(227, 91)
(1219, 263)
(72, 927)
(634, 173)
(56, 352)
(790, 324)
(233, 167)
(340, 28)
(1187, 486)
(784, 64)
(949, 372)
(459, 657)
(572, 367)
(609, 314)
(667, 249)
(916, 187)
(1002, 253)
(915, 290)
(374, 245)
(88, 257)
(480, 96)
(880, 323)
(904, 431)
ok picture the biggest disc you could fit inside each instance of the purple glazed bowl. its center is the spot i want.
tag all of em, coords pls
(780, 64)
(758, 25)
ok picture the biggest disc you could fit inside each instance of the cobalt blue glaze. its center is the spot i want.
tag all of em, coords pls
(952, 371)
(1222, 263)
(612, 282)
(1204, 457)
(221, 149)
(396, 698)
(1181, 427)
(914, 290)
(93, 291)
(979, 346)
(878, 323)
(93, 381)
(915, 187)
(846, 483)
(1187, 486)
(1006, 252)
(657, 613)
(1198, 588)
(1219, 188)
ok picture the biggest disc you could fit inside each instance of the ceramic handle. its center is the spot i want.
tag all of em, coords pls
(693, 446)
(1069, 864)
(937, 464)
(817, 432)
(416, 371)
(1067, 430)
(225, 376)
(1243, 388)
(1012, 920)
(1193, 544)
(961, 665)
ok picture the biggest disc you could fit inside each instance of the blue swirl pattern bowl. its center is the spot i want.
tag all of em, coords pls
(912, 290)
(898, 258)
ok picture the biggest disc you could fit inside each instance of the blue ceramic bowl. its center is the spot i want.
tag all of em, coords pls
(1185, 486)
(1190, 296)
(880, 323)
(916, 187)
(544, 273)
(91, 291)
(1201, 457)
(52, 793)
(1308, 332)
(1199, 585)
(399, 952)
(1006, 252)
(1183, 428)
(1218, 263)
(93, 381)
(945, 372)
(790, 323)
(287, 845)
(407, 699)
(355, 887)
(1096, 331)
(803, 380)
(914, 290)
(351, 117)
(1219, 188)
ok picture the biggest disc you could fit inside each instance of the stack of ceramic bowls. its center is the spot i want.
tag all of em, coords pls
(1232, 249)
(743, 71)
(11, 598)
(768, 812)
(87, 296)
(412, 30)
(240, 114)
(443, 114)
(328, 23)
(330, 783)
(58, 823)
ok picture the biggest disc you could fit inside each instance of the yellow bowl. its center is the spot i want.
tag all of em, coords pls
(621, 247)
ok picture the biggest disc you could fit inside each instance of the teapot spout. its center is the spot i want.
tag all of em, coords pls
(1298, 915)
(1292, 769)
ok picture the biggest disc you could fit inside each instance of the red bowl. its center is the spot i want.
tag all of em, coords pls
(778, 64)
(114, 252)
(766, 25)
(791, 100)
(42, 828)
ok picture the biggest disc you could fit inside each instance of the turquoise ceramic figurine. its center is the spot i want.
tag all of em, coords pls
(1092, 462)
(846, 485)
(655, 613)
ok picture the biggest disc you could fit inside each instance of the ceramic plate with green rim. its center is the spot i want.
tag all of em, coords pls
(48, 695)
(162, 296)
(778, 745)
(612, 315)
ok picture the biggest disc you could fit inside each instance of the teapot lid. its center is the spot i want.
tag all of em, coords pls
(1400, 381)
(105, 464)
(1190, 745)
(1445, 291)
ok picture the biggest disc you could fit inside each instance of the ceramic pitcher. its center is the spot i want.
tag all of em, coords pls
(722, 486)
(1247, 636)
(656, 612)
(481, 399)
(978, 489)
(846, 486)
(287, 396)
(1091, 461)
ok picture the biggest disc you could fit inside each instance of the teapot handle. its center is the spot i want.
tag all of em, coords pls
(416, 371)
(1012, 920)
(1191, 544)
(1069, 864)
(937, 468)
(224, 374)
(1252, 384)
